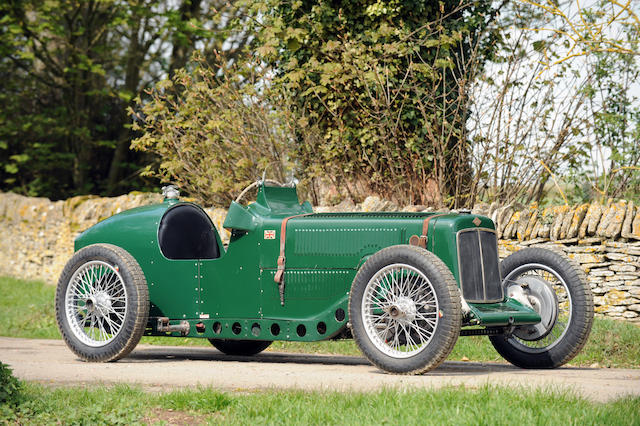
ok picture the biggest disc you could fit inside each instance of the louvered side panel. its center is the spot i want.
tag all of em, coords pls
(343, 241)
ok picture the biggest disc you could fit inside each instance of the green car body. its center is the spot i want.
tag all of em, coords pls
(232, 294)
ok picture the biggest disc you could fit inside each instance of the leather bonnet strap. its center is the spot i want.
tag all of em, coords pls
(279, 277)
(421, 241)
(283, 236)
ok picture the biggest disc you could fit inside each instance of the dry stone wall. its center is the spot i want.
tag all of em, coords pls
(603, 238)
(37, 234)
(37, 237)
(613, 271)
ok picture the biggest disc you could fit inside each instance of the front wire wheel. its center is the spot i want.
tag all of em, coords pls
(400, 310)
(405, 310)
(567, 314)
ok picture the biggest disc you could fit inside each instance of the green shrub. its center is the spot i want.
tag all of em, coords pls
(9, 387)
(386, 83)
(215, 131)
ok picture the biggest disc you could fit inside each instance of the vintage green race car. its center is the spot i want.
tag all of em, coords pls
(404, 285)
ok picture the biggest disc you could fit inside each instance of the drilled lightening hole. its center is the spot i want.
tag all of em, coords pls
(322, 328)
(275, 329)
(200, 327)
(217, 327)
(301, 330)
(236, 328)
(339, 314)
(255, 329)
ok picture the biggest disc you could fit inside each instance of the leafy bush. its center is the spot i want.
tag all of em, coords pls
(385, 83)
(9, 387)
(214, 132)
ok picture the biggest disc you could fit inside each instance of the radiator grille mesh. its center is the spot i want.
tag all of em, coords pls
(479, 270)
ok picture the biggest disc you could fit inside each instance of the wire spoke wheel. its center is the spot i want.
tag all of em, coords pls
(404, 309)
(96, 303)
(558, 290)
(400, 310)
(102, 303)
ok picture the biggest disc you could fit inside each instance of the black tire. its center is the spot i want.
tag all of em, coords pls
(115, 301)
(240, 347)
(424, 306)
(570, 329)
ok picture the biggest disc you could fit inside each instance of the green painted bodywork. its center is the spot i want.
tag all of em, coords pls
(323, 253)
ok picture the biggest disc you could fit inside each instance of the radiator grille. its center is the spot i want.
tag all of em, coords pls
(478, 263)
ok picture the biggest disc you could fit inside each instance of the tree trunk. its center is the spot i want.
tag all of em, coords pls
(135, 58)
(189, 9)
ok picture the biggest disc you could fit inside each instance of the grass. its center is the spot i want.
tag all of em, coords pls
(27, 310)
(486, 405)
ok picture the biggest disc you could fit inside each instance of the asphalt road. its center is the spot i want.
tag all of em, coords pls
(169, 367)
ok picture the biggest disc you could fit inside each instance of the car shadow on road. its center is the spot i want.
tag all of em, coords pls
(166, 354)
(177, 354)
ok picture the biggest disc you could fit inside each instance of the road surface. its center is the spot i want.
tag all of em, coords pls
(170, 367)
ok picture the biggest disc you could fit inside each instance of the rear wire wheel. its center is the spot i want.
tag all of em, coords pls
(102, 303)
(404, 310)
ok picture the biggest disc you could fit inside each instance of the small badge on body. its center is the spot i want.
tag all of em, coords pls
(269, 234)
